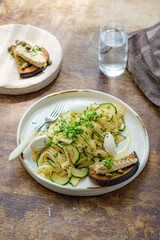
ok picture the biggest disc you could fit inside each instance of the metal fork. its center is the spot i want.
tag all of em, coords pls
(59, 107)
(53, 116)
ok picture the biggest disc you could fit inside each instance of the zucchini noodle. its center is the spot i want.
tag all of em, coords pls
(76, 141)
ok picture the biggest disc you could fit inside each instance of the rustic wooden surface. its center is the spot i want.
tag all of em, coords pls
(28, 210)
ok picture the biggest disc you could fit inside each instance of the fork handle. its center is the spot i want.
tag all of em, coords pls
(19, 149)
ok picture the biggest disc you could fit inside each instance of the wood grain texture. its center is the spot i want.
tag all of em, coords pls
(28, 210)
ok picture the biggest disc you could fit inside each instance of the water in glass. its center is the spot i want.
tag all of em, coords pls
(112, 52)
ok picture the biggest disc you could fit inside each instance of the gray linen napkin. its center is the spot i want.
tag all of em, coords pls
(144, 61)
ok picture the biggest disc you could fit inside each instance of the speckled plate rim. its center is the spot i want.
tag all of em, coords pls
(91, 190)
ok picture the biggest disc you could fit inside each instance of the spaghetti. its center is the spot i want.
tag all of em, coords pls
(76, 142)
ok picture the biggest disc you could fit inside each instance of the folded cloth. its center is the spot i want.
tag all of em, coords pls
(144, 61)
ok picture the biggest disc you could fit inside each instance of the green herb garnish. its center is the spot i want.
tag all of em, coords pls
(113, 174)
(71, 129)
(49, 144)
(35, 50)
(19, 61)
(50, 138)
(55, 155)
(12, 54)
(17, 42)
(109, 162)
(103, 128)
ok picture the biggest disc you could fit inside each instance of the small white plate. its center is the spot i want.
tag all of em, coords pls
(10, 81)
(36, 114)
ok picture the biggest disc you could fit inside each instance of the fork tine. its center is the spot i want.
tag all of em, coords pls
(61, 107)
(57, 110)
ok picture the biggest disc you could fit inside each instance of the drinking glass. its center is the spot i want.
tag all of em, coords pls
(113, 48)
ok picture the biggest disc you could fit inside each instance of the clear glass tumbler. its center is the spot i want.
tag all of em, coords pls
(113, 48)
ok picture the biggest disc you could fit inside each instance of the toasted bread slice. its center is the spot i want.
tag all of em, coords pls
(128, 172)
(31, 70)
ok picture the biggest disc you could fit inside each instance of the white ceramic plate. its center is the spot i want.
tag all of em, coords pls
(10, 81)
(75, 98)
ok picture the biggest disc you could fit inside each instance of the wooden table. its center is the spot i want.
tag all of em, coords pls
(30, 211)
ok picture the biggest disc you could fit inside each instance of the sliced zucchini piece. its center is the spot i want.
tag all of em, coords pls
(83, 158)
(119, 138)
(72, 152)
(123, 125)
(86, 163)
(74, 181)
(50, 138)
(62, 180)
(52, 163)
(109, 107)
(109, 117)
(80, 173)
(96, 160)
(87, 154)
(84, 151)
(56, 144)
(37, 160)
(94, 133)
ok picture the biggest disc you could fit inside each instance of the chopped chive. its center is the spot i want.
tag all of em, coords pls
(55, 155)
(17, 42)
(12, 54)
(50, 137)
(108, 162)
(103, 128)
(19, 61)
(113, 174)
(49, 144)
